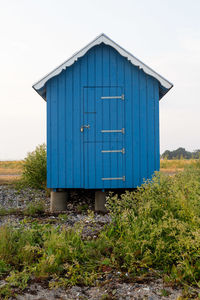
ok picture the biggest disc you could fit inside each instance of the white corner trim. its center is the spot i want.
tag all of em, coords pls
(106, 40)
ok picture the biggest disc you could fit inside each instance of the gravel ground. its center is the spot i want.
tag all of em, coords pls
(12, 198)
(153, 291)
(113, 289)
(77, 210)
(109, 287)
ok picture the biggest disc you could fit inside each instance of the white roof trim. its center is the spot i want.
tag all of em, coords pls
(106, 40)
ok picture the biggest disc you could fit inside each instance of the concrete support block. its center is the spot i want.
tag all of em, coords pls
(58, 201)
(100, 201)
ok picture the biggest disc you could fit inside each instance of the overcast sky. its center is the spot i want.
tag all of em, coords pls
(38, 35)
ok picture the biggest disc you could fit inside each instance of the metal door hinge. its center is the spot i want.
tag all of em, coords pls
(114, 151)
(117, 130)
(113, 97)
(115, 178)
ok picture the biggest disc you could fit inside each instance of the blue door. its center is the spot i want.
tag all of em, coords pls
(103, 137)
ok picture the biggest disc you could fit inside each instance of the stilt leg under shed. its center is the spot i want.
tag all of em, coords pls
(100, 201)
(58, 201)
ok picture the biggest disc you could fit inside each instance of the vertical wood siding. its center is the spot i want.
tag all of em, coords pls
(101, 66)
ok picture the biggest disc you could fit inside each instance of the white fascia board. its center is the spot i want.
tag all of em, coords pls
(106, 40)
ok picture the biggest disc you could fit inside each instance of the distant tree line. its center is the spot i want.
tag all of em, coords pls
(181, 153)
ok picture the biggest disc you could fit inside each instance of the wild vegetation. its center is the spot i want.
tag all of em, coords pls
(154, 230)
(34, 168)
(10, 171)
(34, 208)
(176, 164)
(11, 167)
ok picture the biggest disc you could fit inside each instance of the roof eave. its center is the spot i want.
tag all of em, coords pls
(163, 91)
(41, 92)
(39, 86)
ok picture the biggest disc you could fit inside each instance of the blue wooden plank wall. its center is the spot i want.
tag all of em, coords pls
(101, 66)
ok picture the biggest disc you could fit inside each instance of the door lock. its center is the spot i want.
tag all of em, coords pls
(84, 126)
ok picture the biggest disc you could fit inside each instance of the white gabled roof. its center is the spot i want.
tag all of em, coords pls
(102, 38)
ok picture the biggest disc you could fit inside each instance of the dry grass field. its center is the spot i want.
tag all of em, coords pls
(10, 171)
(176, 163)
(173, 166)
(11, 167)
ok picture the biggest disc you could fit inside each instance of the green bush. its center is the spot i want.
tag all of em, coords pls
(157, 227)
(34, 168)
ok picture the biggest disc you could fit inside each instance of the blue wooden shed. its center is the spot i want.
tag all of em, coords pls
(102, 119)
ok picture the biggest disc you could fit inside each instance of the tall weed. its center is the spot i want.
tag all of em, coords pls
(158, 226)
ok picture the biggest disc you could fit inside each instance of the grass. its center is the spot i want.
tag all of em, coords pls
(10, 171)
(154, 230)
(9, 179)
(11, 164)
(176, 164)
(9, 211)
(33, 209)
(11, 167)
